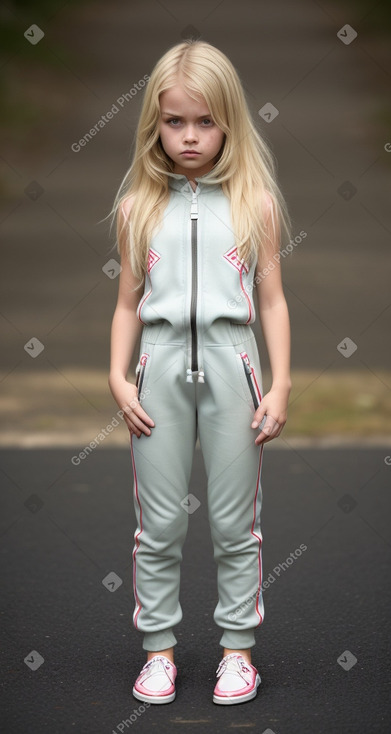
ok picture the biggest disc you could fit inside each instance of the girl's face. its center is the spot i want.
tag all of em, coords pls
(187, 125)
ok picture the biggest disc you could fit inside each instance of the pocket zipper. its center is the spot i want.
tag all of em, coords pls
(249, 376)
(140, 370)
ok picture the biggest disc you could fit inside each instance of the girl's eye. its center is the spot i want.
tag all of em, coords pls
(206, 119)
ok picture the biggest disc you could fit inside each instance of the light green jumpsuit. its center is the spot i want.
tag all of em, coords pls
(198, 374)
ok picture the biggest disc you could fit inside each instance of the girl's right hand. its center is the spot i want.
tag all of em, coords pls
(126, 396)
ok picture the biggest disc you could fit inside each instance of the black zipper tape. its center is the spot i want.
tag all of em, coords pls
(193, 305)
(140, 379)
(248, 373)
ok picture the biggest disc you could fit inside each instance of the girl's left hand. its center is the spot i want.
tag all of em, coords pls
(274, 406)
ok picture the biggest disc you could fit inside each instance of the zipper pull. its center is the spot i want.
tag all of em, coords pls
(246, 362)
(189, 374)
(194, 207)
(201, 376)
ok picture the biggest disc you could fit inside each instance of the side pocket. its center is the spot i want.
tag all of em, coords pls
(140, 372)
(251, 380)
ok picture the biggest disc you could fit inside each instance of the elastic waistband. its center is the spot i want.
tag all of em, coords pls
(220, 332)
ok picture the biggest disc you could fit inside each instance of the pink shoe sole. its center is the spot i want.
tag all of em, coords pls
(153, 699)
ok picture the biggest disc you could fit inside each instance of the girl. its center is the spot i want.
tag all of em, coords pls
(199, 216)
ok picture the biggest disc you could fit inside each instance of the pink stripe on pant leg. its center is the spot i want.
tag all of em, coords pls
(137, 542)
(259, 537)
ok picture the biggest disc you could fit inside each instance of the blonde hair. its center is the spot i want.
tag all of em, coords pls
(245, 168)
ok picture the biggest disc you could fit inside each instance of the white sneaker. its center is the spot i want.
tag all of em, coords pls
(238, 680)
(156, 681)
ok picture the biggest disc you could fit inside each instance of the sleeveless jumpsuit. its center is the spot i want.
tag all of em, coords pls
(198, 374)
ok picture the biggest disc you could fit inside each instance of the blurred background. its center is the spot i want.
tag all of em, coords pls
(69, 651)
(326, 67)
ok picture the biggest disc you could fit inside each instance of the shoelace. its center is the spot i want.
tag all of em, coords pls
(154, 661)
(224, 664)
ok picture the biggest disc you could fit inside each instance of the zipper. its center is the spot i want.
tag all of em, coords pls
(194, 368)
(140, 370)
(249, 372)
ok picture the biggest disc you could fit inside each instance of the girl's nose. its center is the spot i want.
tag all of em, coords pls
(190, 134)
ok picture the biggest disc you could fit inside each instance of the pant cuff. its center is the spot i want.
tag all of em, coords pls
(238, 639)
(161, 640)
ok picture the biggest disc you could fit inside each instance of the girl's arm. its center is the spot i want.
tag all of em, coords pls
(125, 331)
(274, 318)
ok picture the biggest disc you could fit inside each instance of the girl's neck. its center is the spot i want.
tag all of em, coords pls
(191, 174)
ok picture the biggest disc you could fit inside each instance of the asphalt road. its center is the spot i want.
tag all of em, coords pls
(64, 528)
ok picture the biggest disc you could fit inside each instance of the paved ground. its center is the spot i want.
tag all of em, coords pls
(332, 602)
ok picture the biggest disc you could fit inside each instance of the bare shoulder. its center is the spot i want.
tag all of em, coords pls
(267, 203)
(127, 204)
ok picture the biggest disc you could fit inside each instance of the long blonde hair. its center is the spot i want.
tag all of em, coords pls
(245, 168)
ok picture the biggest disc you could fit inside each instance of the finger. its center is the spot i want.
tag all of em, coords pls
(140, 425)
(144, 416)
(271, 426)
(257, 418)
(131, 427)
(269, 431)
(134, 422)
(141, 418)
(136, 407)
